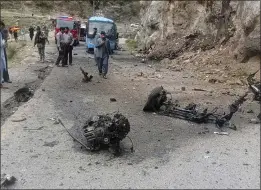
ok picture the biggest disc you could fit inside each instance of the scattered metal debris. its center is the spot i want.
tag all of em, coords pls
(56, 121)
(199, 89)
(86, 77)
(106, 131)
(113, 100)
(233, 126)
(18, 120)
(156, 99)
(221, 133)
(103, 131)
(159, 103)
(23, 94)
(7, 180)
(254, 121)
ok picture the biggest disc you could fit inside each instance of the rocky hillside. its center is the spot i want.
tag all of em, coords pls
(169, 28)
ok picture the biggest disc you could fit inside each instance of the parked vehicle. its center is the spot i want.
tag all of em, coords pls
(102, 24)
(73, 25)
(83, 32)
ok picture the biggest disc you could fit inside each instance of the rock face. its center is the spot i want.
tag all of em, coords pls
(171, 27)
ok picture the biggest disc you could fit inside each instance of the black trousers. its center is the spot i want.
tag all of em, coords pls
(61, 55)
(31, 36)
(67, 52)
(5, 73)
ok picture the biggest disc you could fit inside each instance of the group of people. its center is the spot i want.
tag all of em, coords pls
(4, 75)
(31, 32)
(64, 41)
(102, 52)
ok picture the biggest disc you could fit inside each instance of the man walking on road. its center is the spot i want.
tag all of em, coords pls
(103, 53)
(31, 32)
(40, 41)
(95, 37)
(46, 31)
(68, 46)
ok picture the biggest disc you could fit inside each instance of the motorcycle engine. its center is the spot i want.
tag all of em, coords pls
(106, 130)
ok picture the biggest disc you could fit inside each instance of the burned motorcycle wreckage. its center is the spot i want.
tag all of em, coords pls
(106, 131)
(158, 102)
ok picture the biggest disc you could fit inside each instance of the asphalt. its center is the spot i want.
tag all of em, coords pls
(169, 153)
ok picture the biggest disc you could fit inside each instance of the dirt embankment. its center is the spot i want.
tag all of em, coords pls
(170, 28)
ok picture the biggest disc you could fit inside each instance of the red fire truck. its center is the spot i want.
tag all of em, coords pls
(73, 25)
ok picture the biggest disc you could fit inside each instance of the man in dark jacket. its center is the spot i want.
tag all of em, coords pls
(40, 41)
(31, 32)
(103, 53)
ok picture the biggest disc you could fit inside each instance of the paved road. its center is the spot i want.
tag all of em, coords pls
(169, 153)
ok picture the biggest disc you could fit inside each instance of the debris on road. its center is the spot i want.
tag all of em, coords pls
(86, 77)
(113, 100)
(18, 120)
(221, 133)
(199, 89)
(156, 99)
(233, 126)
(250, 111)
(254, 121)
(140, 74)
(23, 94)
(183, 88)
(106, 131)
(7, 180)
(56, 121)
(159, 103)
(51, 144)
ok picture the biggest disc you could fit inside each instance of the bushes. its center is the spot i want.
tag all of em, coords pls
(131, 44)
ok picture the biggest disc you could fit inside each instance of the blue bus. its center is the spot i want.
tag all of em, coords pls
(102, 24)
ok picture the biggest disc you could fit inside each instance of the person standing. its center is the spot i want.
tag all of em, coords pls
(31, 32)
(95, 37)
(60, 45)
(40, 41)
(68, 46)
(46, 31)
(4, 32)
(2, 57)
(15, 35)
(103, 53)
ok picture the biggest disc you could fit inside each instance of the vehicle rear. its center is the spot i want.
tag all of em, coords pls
(102, 24)
(83, 32)
(71, 24)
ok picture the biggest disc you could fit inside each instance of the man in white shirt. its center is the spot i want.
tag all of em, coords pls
(60, 45)
(68, 46)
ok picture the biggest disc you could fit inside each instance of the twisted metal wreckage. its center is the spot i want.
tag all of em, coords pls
(106, 131)
(158, 102)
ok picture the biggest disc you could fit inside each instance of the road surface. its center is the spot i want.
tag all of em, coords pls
(169, 153)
